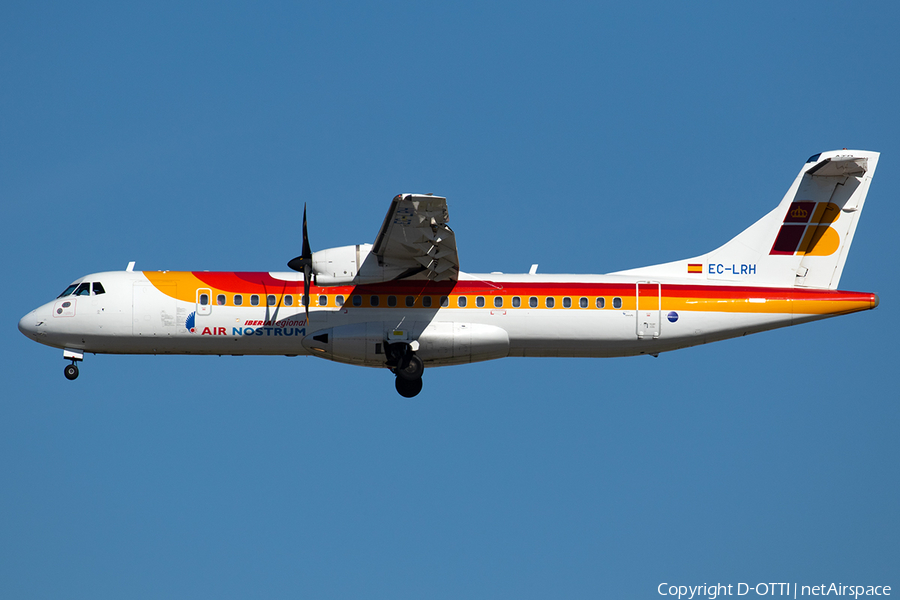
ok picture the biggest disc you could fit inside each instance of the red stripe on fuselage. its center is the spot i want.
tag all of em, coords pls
(262, 283)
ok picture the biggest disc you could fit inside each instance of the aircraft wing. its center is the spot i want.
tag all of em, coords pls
(415, 237)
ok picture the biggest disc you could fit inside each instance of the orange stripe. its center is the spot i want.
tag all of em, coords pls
(730, 299)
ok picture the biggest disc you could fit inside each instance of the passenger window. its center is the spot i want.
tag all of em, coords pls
(68, 291)
(601, 302)
(410, 301)
(617, 302)
(288, 300)
(550, 302)
(304, 300)
(98, 288)
(479, 301)
(338, 300)
(373, 300)
(532, 302)
(85, 290)
(517, 302)
(220, 299)
(254, 300)
(392, 300)
(357, 300)
(498, 301)
(445, 301)
(323, 300)
(461, 301)
(583, 303)
(270, 300)
(426, 301)
(204, 299)
(238, 299)
(567, 302)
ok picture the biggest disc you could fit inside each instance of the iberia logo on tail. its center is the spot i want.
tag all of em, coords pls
(800, 234)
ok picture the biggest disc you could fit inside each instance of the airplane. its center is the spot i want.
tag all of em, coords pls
(402, 303)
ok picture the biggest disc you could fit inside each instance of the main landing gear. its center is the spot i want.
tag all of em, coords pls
(408, 368)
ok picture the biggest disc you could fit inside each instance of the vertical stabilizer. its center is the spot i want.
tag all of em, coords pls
(803, 242)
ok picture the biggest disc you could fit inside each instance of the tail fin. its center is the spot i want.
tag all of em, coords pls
(803, 242)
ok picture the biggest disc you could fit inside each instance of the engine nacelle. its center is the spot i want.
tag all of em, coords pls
(436, 344)
(350, 265)
(339, 266)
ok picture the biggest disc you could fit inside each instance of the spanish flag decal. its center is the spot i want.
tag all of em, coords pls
(695, 268)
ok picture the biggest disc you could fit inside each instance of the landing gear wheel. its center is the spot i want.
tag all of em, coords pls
(408, 388)
(71, 371)
(412, 370)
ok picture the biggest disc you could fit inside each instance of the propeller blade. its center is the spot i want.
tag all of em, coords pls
(306, 253)
(305, 264)
(299, 263)
(307, 275)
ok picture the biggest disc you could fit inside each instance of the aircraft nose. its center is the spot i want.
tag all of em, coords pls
(28, 324)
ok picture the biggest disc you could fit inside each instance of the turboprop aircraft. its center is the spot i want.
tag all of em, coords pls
(403, 304)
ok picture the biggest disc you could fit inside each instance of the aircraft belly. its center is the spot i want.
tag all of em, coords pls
(575, 333)
(612, 333)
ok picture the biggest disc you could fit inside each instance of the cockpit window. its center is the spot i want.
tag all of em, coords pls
(98, 288)
(69, 290)
(83, 290)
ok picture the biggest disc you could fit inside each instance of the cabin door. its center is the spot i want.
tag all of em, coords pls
(648, 309)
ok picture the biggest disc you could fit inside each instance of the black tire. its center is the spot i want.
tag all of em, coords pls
(413, 369)
(71, 372)
(408, 388)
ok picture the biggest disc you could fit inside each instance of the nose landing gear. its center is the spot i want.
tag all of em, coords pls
(71, 371)
(408, 368)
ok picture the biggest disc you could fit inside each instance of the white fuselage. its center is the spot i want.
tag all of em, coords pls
(482, 317)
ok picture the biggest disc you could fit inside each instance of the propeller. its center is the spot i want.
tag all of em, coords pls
(303, 263)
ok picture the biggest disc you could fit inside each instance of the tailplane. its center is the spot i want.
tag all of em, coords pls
(803, 242)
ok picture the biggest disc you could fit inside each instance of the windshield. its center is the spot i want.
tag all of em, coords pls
(69, 290)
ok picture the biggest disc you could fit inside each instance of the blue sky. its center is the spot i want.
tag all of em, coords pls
(584, 137)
